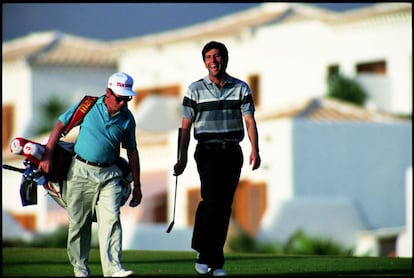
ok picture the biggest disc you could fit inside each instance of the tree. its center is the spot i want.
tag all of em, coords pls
(51, 109)
(346, 89)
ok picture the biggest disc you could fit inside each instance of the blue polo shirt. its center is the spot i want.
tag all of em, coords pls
(218, 114)
(100, 136)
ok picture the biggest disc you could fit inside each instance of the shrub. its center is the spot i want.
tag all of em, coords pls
(300, 243)
(346, 89)
(297, 244)
(55, 239)
(51, 109)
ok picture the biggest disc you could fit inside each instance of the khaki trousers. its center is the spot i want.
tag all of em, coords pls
(94, 192)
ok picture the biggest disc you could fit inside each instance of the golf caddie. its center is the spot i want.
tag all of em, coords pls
(94, 181)
(217, 105)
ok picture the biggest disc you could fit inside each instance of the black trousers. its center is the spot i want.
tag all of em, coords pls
(219, 167)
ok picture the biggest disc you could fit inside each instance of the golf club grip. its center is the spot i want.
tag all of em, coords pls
(178, 145)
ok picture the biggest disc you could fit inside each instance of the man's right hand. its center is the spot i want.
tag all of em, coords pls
(180, 166)
(136, 197)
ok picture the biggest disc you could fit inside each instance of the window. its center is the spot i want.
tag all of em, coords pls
(378, 67)
(7, 124)
(193, 198)
(254, 84)
(332, 70)
(173, 90)
(249, 205)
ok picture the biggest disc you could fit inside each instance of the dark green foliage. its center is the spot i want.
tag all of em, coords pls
(242, 243)
(55, 239)
(300, 243)
(50, 110)
(346, 89)
(245, 243)
(297, 244)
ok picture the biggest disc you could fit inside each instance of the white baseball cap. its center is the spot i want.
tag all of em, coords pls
(121, 84)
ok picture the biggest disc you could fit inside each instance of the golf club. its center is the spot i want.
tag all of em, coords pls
(9, 167)
(176, 181)
(175, 198)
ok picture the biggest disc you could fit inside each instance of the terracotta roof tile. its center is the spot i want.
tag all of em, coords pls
(54, 48)
(324, 109)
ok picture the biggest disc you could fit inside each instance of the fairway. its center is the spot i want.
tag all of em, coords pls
(53, 262)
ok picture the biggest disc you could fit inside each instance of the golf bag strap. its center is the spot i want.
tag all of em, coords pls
(84, 106)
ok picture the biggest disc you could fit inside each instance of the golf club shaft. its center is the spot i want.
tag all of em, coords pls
(175, 198)
(176, 182)
(12, 168)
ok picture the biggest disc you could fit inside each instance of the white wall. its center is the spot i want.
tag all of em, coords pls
(405, 239)
(342, 179)
(363, 161)
(292, 59)
(17, 91)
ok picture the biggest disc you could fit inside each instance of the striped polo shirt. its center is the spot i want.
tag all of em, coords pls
(217, 114)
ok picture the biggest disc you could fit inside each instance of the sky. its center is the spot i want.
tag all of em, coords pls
(113, 21)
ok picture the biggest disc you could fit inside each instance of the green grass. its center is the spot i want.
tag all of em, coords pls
(54, 262)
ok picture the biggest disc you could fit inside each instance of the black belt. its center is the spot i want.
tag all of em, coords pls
(98, 164)
(224, 145)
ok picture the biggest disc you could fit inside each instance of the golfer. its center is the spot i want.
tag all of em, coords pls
(217, 105)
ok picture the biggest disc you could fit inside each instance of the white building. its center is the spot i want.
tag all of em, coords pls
(285, 51)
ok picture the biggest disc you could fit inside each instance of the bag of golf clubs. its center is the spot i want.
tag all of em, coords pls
(32, 177)
(55, 182)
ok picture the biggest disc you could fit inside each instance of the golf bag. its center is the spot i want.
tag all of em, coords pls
(55, 182)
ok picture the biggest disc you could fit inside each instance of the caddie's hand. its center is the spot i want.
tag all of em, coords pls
(136, 197)
(45, 166)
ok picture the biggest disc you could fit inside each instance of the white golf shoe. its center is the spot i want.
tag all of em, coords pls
(123, 273)
(201, 269)
(218, 272)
